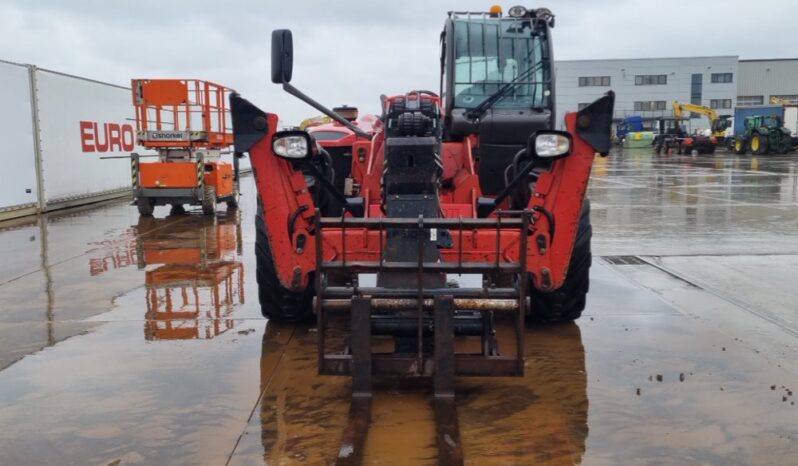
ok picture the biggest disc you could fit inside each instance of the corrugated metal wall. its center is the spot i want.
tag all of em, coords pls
(768, 78)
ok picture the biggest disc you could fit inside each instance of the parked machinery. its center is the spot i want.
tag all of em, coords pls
(314, 121)
(187, 122)
(673, 137)
(630, 124)
(718, 124)
(473, 182)
(763, 135)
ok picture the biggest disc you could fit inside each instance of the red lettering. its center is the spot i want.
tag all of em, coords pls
(111, 137)
(114, 136)
(86, 138)
(101, 147)
(127, 138)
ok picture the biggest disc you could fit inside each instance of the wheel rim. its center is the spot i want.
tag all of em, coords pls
(738, 145)
(755, 144)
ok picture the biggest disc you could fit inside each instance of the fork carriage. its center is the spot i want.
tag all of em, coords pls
(418, 317)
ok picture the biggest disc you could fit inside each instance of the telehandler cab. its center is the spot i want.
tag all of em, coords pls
(473, 180)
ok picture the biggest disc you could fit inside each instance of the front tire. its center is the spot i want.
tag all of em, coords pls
(739, 146)
(277, 302)
(146, 206)
(567, 302)
(232, 202)
(758, 144)
(209, 200)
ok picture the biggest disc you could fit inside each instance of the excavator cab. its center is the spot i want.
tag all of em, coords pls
(497, 83)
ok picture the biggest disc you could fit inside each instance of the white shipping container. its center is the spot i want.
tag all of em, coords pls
(81, 120)
(18, 188)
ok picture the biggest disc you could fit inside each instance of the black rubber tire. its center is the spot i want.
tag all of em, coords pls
(784, 146)
(277, 302)
(739, 146)
(762, 148)
(209, 201)
(567, 302)
(146, 206)
(232, 202)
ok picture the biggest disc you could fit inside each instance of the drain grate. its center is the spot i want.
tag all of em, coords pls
(624, 260)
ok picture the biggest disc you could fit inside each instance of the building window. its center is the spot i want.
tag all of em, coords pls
(696, 88)
(582, 105)
(650, 79)
(585, 81)
(720, 103)
(748, 100)
(649, 105)
(790, 99)
(721, 77)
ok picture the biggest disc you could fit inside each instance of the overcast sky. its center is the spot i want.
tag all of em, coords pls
(349, 52)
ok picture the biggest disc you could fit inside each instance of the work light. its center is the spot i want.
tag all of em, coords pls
(549, 144)
(291, 144)
(517, 12)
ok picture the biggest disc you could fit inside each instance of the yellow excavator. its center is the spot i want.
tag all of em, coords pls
(314, 121)
(781, 101)
(717, 124)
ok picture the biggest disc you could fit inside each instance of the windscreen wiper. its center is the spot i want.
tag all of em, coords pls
(477, 112)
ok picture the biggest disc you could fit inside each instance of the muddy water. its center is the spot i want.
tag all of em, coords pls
(141, 342)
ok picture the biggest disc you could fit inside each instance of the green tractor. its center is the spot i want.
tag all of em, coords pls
(763, 135)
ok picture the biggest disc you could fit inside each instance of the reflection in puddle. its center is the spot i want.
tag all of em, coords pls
(199, 279)
(541, 418)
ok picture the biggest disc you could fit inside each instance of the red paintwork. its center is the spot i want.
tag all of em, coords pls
(283, 190)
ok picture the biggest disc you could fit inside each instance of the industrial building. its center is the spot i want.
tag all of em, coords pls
(761, 80)
(648, 86)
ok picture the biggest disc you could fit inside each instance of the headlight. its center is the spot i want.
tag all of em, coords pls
(291, 144)
(550, 144)
(517, 12)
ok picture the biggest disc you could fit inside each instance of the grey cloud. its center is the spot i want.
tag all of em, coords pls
(352, 51)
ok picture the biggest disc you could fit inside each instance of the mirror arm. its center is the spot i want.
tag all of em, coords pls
(301, 96)
(338, 195)
(484, 211)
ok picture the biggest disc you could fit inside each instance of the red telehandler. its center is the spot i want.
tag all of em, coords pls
(473, 180)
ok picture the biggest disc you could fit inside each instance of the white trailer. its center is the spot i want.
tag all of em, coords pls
(791, 119)
(18, 184)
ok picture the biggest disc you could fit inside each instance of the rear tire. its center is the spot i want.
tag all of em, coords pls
(209, 200)
(232, 203)
(739, 146)
(784, 146)
(277, 302)
(758, 144)
(146, 206)
(567, 302)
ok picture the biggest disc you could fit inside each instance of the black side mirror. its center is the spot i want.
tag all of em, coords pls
(282, 56)
(594, 122)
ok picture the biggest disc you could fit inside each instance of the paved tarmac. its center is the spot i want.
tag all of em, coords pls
(128, 341)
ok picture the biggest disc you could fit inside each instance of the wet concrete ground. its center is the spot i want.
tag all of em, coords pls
(141, 342)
